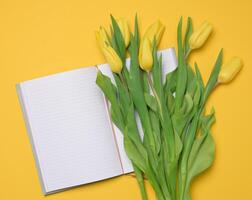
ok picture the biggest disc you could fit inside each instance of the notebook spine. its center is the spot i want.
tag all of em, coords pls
(21, 98)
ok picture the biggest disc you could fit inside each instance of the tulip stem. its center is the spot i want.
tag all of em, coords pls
(188, 53)
(123, 80)
(155, 94)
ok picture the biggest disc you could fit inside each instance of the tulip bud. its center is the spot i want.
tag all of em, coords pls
(155, 30)
(199, 37)
(230, 70)
(102, 37)
(145, 55)
(124, 28)
(113, 59)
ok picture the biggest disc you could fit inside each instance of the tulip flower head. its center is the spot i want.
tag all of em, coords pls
(145, 55)
(155, 30)
(123, 25)
(113, 59)
(230, 70)
(199, 37)
(102, 37)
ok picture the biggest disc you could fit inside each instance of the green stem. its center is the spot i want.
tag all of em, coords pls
(183, 168)
(187, 53)
(155, 94)
(140, 180)
(187, 192)
(187, 149)
(123, 81)
(164, 119)
(152, 179)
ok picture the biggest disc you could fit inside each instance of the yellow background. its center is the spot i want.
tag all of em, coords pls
(41, 37)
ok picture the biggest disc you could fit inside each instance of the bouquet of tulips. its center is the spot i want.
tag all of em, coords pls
(177, 143)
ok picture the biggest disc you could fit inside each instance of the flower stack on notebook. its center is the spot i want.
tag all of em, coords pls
(73, 138)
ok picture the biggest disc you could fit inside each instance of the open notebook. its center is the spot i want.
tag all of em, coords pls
(73, 138)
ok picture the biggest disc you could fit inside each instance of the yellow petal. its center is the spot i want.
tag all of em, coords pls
(145, 55)
(123, 25)
(113, 59)
(230, 70)
(102, 37)
(155, 30)
(199, 37)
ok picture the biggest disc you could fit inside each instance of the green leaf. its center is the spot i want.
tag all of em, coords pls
(189, 31)
(214, 76)
(144, 81)
(182, 71)
(136, 31)
(197, 95)
(133, 153)
(198, 75)
(165, 118)
(104, 82)
(134, 142)
(170, 102)
(114, 116)
(200, 83)
(157, 71)
(208, 120)
(161, 176)
(172, 166)
(187, 105)
(123, 94)
(151, 101)
(190, 77)
(188, 140)
(178, 144)
(201, 156)
(110, 92)
(113, 40)
(118, 39)
(191, 89)
(137, 93)
(171, 82)
(156, 130)
(182, 118)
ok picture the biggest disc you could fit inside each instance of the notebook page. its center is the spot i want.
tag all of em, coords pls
(70, 129)
(169, 63)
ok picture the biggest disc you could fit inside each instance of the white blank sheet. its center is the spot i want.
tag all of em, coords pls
(70, 129)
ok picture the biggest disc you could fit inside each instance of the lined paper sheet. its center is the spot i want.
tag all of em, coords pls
(70, 129)
(169, 63)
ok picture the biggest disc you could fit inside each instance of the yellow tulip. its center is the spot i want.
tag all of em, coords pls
(155, 30)
(145, 55)
(102, 37)
(199, 37)
(230, 70)
(123, 25)
(113, 59)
